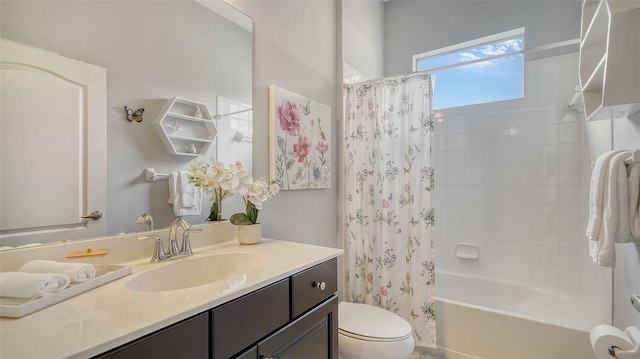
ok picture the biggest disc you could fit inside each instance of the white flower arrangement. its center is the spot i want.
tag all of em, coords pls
(223, 182)
(216, 179)
(255, 194)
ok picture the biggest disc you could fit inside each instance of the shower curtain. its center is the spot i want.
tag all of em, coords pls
(389, 215)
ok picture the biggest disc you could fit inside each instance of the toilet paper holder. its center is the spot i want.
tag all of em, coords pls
(617, 352)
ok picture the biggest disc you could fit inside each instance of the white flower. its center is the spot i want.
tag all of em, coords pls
(255, 193)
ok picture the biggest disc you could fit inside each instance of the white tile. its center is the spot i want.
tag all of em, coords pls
(441, 177)
(545, 256)
(457, 194)
(477, 158)
(456, 142)
(456, 125)
(456, 159)
(456, 210)
(477, 212)
(570, 258)
(521, 253)
(570, 215)
(456, 229)
(498, 251)
(570, 174)
(439, 143)
(439, 160)
(546, 235)
(476, 194)
(440, 193)
(572, 132)
(522, 233)
(476, 176)
(570, 153)
(477, 230)
(570, 195)
(440, 127)
(499, 232)
(477, 140)
(456, 176)
(571, 236)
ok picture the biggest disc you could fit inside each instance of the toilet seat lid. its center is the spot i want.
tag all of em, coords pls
(366, 321)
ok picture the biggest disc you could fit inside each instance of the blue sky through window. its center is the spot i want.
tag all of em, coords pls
(495, 79)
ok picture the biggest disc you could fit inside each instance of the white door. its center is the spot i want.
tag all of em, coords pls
(52, 146)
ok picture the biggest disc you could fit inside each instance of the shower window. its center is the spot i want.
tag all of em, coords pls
(479, 71)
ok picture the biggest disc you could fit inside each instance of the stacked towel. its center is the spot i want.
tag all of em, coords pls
(633, 169)
(185, 197)
(31, 285)
(613, 205)
(77, 272)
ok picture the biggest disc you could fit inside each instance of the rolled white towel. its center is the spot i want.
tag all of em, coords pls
(31, 285)
(77, 272)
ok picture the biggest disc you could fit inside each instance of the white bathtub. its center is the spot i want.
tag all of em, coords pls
(481, 318)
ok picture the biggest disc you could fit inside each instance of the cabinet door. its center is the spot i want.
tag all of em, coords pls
(188, 339)
(313, 336)
(242, 322)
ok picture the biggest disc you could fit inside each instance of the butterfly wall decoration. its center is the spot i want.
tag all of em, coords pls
(134, 115)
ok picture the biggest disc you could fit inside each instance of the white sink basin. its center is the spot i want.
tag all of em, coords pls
(196, 271)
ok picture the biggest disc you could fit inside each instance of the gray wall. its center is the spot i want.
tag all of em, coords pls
(414, 27)
(152, 51)
(363, 36)
(295, 48)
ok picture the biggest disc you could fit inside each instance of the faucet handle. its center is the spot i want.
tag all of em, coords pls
(158, 249)
(186, 244)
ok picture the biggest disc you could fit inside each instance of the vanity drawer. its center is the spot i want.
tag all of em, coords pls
(310, 287)
(242, 322)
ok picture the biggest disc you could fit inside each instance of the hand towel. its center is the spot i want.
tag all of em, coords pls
(31, 285)
(185, 198)
(599, 178)
(77, 272)
(614, 220)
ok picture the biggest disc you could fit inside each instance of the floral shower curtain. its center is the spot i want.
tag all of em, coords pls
(388, 208)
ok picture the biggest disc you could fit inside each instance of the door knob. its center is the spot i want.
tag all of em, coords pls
(95, 215)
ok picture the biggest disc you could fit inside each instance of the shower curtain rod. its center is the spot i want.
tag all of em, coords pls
(552, 46)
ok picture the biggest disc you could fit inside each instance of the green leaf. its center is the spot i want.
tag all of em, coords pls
(290, 163)
(281, 143)
(240, 218)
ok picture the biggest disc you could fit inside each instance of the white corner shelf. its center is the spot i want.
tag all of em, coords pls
(181, 132)
(609, 57)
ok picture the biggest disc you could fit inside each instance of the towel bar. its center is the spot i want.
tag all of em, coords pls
(151, 175)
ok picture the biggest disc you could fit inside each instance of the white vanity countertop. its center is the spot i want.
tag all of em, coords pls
(111, 315)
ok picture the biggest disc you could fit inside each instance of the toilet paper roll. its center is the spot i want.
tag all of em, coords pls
(605, 336)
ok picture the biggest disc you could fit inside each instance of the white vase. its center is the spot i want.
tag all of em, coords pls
(249, 233)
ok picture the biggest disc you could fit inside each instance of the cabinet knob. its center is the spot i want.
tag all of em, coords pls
(321, 285)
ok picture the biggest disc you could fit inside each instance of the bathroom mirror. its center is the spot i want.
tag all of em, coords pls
(152, 51)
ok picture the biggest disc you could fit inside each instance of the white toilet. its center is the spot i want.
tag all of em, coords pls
(368, 332)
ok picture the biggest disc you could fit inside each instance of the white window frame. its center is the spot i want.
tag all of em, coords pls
(474, 44)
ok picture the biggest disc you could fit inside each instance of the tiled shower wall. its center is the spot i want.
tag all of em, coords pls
(512, 177)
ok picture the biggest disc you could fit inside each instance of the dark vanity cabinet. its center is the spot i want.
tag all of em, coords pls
(296, 317)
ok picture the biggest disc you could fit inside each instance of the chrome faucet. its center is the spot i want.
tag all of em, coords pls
(185, 246)
(160, 253)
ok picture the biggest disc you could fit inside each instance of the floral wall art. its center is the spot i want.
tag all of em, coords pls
(299, 141)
